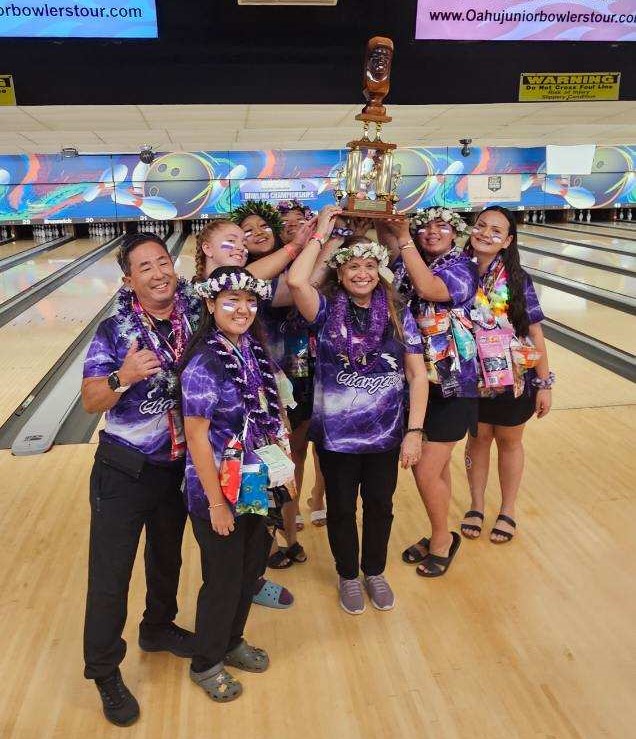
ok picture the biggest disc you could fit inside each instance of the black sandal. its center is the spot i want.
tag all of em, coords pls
(412, 555)
(280, 560)
(471, 526)
(296, 553)
(499, 532)
(437, 565)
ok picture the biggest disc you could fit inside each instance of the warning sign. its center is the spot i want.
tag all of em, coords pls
(546, 87)
(7, 92)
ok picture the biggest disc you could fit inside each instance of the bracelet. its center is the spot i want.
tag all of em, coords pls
(216, 505)
(319, 238)
(413, 431)
(292, 251)
(546, 383)
(408, 245)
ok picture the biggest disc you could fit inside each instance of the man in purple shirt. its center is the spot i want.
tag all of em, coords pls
(129, 373)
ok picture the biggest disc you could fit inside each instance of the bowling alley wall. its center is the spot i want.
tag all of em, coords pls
(184, 185)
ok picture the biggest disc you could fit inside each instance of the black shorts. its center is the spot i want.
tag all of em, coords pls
(448, 419)
(304, 397)
(506, 410)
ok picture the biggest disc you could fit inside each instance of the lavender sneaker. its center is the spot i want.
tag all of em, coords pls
(351, 595)
(380, 592)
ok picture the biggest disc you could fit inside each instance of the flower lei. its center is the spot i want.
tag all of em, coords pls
(493, 295)
(256, 382)
(363, 353)
(211, 287)
(361, 251)
(258, 208)
(133, 324)
(424, 216)
(285, 206)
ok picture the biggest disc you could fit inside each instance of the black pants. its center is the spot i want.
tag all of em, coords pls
(230, 566)
(120, 507)
(376, 476)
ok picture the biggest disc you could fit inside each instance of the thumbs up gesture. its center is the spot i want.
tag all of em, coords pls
(139, 364)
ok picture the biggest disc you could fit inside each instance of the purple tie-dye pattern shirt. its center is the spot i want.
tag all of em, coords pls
(208, 391)
(139, 419)
(461, 277)
(360, 413)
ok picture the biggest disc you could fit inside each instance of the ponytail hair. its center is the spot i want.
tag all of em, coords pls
(517, 309)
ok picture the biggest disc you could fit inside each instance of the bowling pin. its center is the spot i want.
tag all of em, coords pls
(629, 214)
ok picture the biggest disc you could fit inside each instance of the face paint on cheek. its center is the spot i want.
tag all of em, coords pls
(228, 307)
(497, 239)
(445, 230)
(476, 230)
(268, 229)
(253, 308)
(227, 245)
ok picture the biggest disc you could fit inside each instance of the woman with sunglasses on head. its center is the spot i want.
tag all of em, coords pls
(367, 353)
(232, 412)
(515, 379)
(439, 281)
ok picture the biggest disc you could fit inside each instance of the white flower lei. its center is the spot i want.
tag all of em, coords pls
(211, 287)
(426, 215)
(360, 251)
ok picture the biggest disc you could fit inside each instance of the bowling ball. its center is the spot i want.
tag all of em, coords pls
(608, 170)
(183, 179)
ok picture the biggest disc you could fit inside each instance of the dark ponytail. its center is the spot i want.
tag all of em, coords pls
(517, 310)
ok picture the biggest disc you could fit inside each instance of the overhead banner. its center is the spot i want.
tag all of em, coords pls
(573, 20)
(79, 19)
(502, 188)
(542, 87)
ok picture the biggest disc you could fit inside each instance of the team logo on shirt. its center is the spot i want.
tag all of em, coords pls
(369, 383)
(156, 406)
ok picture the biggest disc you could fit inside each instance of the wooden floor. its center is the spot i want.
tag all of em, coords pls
(532, 639)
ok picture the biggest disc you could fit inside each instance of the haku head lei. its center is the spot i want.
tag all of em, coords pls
(237, 280)
(363, 250)
(285, 206)
(258, 208)
(426, 215)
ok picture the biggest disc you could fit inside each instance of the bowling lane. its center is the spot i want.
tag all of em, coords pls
(24, 275)
(595, 257)
(185, 261)
(595, 277)
(15, 247)
(34, 340)
(580, 235)
(591, 228)
(599, 321)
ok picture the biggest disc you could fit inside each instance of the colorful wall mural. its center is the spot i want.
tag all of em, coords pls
(184, 185)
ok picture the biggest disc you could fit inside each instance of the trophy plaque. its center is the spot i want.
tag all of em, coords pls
(367, 185)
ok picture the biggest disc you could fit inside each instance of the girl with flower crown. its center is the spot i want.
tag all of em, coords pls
(231, 411)
(439, 281)
(506, 315)
(367, 352)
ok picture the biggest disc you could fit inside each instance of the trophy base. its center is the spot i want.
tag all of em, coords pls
(371, 144)
(374, 215)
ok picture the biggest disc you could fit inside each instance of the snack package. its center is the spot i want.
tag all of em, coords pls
(493, 347)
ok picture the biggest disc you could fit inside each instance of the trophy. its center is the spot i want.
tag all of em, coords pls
(370, 178)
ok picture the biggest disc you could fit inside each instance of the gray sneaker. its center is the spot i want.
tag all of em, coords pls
(351, 595)
(380, 592)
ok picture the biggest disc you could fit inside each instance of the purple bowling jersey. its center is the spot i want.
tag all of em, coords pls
(533, 309)
(461, 277)
(139, 419)
(360, 413)
(208, 391)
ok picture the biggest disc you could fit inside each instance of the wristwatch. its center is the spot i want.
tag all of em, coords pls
(114, 383)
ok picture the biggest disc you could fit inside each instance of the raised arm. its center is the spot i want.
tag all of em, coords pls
(427, 285)
(273, 264)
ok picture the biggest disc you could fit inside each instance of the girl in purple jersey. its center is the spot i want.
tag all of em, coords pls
(231, 409)
(439, 281)
(367, 352)
(506, 305)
